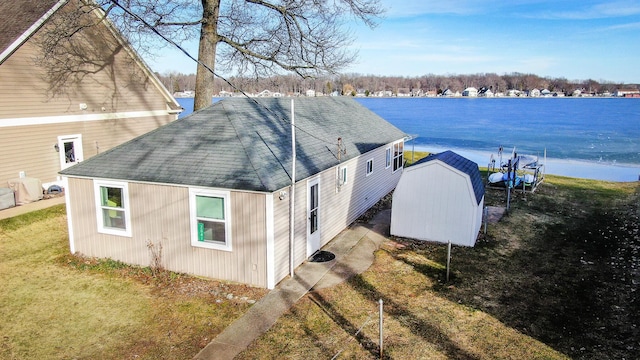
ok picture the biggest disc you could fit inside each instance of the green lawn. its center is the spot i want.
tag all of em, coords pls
(56, 306)
(555, 279)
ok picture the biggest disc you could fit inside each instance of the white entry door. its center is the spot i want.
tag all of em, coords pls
(313, 216)
(70, 149)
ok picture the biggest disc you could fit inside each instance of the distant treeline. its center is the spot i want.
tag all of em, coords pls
(350, 84)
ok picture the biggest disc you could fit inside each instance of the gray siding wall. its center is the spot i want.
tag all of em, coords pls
(338, 208)
(160, 214)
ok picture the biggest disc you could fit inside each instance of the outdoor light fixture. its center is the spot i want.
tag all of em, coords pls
(56, 147)
(283, 195)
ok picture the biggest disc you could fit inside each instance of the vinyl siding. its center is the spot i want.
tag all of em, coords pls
(31, 148)
(361, 192)
(436, 202)
(281, 235)
(337, 209)
(160, 214)
(24, 94)
(121, 86)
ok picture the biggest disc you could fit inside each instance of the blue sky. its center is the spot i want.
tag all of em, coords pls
(578, 40)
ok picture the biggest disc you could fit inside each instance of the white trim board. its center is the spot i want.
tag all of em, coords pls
(30, 31)
(49, 120)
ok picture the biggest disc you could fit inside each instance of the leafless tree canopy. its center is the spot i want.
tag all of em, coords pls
(255, 38)
(370, 85)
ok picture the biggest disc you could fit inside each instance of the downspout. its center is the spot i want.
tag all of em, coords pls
(292, 192)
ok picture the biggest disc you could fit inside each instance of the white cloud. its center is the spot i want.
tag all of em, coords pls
(602, 10)
(405, 8)
(629, 26)
(399, 9)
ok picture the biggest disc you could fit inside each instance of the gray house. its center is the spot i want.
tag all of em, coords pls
(440, 198)
(214, 188)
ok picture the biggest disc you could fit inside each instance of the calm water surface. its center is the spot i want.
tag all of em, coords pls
(583, 137)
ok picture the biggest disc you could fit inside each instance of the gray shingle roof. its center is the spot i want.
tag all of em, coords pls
(17, 16)
(238, 144)
(463, 164)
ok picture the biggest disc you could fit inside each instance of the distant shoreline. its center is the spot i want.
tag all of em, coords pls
(553, 166)
(618, 172)
(217, 98)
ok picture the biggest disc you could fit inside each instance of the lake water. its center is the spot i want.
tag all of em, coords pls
(595, 138)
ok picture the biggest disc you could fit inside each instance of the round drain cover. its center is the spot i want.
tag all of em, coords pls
(322, 256)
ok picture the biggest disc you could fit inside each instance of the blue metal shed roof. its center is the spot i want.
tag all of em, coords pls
(463, 164)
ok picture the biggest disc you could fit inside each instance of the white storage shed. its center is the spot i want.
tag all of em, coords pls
(439, 198)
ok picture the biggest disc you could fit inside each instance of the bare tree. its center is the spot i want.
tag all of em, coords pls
(257, 37)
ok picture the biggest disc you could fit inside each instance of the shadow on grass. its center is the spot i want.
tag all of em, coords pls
(571, 283)
(346, 325)
(408, 319)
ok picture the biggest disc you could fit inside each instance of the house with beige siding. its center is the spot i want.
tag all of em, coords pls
(64, 103)
(214, 189)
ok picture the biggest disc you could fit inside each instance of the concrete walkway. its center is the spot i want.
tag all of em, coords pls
(36, 205)
(354, 249)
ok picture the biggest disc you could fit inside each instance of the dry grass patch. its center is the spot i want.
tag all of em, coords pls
(418, 323)
(556, 278)
(58, 306)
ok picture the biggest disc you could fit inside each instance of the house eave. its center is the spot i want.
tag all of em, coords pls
(186, 186)
(30, 31)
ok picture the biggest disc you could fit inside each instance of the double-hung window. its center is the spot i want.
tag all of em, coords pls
(112, 207)
(398, 155)
(210, 219)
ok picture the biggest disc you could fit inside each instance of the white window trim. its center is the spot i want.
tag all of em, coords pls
(388, 158)
(97, 184)
(394, 157)
(343, 175)
(194, 221)
(369, 172)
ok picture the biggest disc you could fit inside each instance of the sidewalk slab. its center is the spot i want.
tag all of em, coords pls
(354, 249)
(34, 206)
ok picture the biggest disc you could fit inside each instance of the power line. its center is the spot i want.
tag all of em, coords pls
(173, 43)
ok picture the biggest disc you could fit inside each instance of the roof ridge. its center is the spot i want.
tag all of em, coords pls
(232, 120)
(260, 162)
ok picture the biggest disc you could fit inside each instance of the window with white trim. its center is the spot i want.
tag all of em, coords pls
(112, 207)
(369, 167)
(387, 163)
(342, 175)
(210, 219)
(398, 155)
